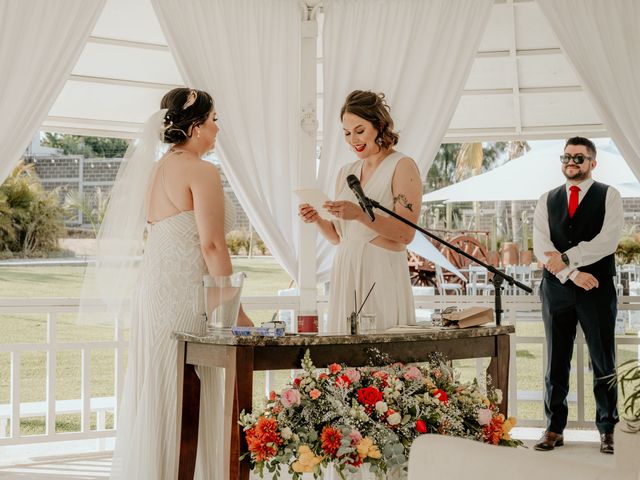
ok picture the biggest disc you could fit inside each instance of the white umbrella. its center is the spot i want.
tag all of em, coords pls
(529, 176)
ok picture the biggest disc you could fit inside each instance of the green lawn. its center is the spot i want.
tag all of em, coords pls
(264, 277)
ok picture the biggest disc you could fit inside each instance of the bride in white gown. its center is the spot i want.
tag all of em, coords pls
(186, 215)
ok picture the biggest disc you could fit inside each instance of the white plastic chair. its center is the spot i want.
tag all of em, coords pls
(444, 287)
(478, 279)
(522, 273)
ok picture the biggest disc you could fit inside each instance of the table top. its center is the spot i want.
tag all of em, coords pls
(398, 334)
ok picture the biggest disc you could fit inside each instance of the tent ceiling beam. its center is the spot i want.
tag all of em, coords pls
(127, 43)
(468, 135)
(121, 82)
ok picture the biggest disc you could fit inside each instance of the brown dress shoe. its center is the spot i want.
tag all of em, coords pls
(606, 443)
(549, 441)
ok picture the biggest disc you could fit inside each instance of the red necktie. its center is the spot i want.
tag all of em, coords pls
(573, 199)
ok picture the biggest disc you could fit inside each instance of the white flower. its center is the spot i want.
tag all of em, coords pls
(484, 416)
(394, 418)
(286, 433)
(381, 407)
(498, 395)
(387, 391)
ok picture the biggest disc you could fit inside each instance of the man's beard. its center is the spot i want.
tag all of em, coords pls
(580, 175)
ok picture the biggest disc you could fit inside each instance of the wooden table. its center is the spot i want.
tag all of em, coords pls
(249, 354)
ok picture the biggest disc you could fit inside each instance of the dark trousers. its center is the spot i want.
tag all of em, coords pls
(563, 306)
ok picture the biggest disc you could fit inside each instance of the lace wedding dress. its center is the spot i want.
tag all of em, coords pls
(166, 301)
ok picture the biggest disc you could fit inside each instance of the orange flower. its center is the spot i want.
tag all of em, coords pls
(331, 438)
(264, 438)
(493, 431)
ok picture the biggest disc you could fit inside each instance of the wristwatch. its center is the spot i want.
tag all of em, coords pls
(565, 259)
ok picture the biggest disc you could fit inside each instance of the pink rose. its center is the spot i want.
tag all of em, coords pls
(315, 393)
(484, 416)
(355, 437)
(290, 397)
(334, 368)
(412, 373)
(352, 374)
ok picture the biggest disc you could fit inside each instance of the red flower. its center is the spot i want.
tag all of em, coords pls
(441, 395)
(421, 426)
(331, 439)
(369, 395)
(272, 395)
(322, 376)
(343, 381)
(296, 381)
(334, 368)
(264, 438)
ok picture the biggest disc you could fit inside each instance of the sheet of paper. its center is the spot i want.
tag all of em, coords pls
(316, 199)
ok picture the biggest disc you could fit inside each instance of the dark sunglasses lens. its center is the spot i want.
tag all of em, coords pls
(577, 159)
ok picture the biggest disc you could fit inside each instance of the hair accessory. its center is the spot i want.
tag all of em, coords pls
(191, 99)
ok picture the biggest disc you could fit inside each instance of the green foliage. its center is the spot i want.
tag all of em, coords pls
(629, 379)
(31, 220)
(628, 250)
(260, 245)
(443, 169)
(93, 207)
(86, 146)
(237, 242)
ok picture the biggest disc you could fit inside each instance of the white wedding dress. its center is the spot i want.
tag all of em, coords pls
(166, 300)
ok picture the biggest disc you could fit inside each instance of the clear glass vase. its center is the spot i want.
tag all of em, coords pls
(222, 301)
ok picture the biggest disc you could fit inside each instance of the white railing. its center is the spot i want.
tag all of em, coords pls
(518, 309)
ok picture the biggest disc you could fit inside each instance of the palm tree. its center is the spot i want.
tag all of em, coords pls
(515, 149)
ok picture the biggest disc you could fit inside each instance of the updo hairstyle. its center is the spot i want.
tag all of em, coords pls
(372, 107)
(186, 108)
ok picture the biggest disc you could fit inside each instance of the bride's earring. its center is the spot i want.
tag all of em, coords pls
(198, 134)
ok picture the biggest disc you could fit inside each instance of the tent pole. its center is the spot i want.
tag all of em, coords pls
(307, 161)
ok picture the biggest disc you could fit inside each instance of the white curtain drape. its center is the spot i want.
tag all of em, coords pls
(601, 39)
(246, 54)
(40, 42)
(418, 52)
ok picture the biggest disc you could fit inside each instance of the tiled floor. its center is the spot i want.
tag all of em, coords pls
(580, 445)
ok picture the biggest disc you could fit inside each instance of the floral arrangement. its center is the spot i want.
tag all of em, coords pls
(368, 415)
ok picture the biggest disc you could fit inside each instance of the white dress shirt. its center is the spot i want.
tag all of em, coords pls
(585, 253)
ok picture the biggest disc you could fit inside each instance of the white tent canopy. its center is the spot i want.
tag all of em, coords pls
(529, 176)
(520, 85)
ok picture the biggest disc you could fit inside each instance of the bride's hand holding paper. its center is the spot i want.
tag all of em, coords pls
(344, 209)
(311, 209)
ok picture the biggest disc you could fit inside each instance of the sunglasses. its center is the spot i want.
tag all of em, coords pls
(577, 159)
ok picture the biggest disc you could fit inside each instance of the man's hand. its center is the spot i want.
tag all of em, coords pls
(555, 263)
(586, 280)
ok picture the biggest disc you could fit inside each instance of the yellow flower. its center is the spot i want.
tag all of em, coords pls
(307, 460)
(508, 424)
(366, 448)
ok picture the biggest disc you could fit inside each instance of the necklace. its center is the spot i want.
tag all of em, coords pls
(177, 150)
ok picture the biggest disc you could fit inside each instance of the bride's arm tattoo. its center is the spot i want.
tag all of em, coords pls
(402, 200)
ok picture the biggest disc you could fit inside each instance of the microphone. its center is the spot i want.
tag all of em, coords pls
(365, 204)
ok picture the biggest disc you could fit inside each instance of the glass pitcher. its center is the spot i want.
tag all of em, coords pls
(222, 300)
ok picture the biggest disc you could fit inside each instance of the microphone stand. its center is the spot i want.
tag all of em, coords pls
(499, 277)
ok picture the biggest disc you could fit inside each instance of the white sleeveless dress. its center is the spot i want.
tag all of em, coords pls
(358, 263)
(166, 301)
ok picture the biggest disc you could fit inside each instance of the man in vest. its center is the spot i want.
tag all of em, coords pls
(576, 231)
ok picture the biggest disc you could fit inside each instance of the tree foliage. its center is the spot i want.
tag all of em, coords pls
(87, 146)
(31, 219)
(451, 158)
